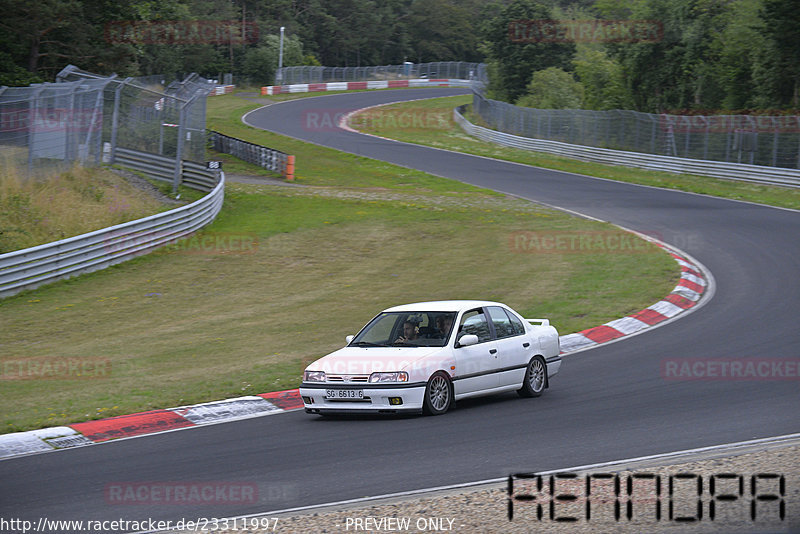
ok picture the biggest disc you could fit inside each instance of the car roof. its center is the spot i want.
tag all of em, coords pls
(443, 305)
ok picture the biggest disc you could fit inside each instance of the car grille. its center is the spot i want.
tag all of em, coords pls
(348, 378)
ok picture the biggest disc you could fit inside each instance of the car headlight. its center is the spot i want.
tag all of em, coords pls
(313, 376)
(401, 376)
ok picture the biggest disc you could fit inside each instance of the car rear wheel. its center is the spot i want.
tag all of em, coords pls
(535, 378)
(438, 394)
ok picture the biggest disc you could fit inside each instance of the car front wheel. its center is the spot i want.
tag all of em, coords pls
(535, 378)
(438, 394)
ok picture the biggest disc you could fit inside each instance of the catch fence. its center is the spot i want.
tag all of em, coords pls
(85, 118)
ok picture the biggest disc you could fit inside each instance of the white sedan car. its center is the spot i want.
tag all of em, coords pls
(423, 357)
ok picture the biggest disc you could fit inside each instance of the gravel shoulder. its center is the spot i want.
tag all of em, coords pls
(142, 184)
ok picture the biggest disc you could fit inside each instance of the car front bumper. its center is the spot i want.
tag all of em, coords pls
(386, 398)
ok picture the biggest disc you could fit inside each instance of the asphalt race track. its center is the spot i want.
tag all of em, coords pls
(607, 403)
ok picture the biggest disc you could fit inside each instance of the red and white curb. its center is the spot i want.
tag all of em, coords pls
(138, 424)
(354, 86)
(695, 286)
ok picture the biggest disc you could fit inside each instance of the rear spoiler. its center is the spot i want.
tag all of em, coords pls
(542, 322)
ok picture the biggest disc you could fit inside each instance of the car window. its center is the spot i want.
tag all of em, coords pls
(379, 330)
(502, 323)
(516, 324)
(406, 329)
(474, 322)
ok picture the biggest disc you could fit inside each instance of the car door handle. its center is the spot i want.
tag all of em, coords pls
(526, 345)
(492, 351)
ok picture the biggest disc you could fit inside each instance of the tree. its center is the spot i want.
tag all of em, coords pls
(261, 62)
(602, 80)
(552, 88)
(441, 30)
(514, 62)
(778, 71)
(41, 35)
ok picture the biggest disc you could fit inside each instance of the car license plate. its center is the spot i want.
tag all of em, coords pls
(344, 394)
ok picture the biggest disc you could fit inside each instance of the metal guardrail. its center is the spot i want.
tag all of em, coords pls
(31, 267)
(761, 140)
(193, 175)
(265, 157)
(653, 162)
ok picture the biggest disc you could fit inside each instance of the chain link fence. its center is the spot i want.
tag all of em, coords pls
(772, 141)
(441, 69)
(86, 117)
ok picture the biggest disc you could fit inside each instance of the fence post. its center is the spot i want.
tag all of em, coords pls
(98, 106)
(775, 142)
(33, 107)
(176, 176)
(115, 119)
(70, 150)
(687, 121)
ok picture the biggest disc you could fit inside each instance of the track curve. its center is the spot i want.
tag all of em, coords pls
(608, 403)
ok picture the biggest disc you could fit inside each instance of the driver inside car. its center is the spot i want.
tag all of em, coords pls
(409, 333)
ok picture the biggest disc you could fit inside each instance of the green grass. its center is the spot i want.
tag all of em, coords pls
(60, 204)
(430, 123)
(211, 318)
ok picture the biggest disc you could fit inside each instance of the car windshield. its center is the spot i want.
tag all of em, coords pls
(407, 329)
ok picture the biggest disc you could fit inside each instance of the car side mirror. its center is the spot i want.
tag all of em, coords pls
(349, 339)
(467, 339)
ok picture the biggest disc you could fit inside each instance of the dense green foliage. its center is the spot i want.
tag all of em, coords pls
(710, 54)
(41, 37)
